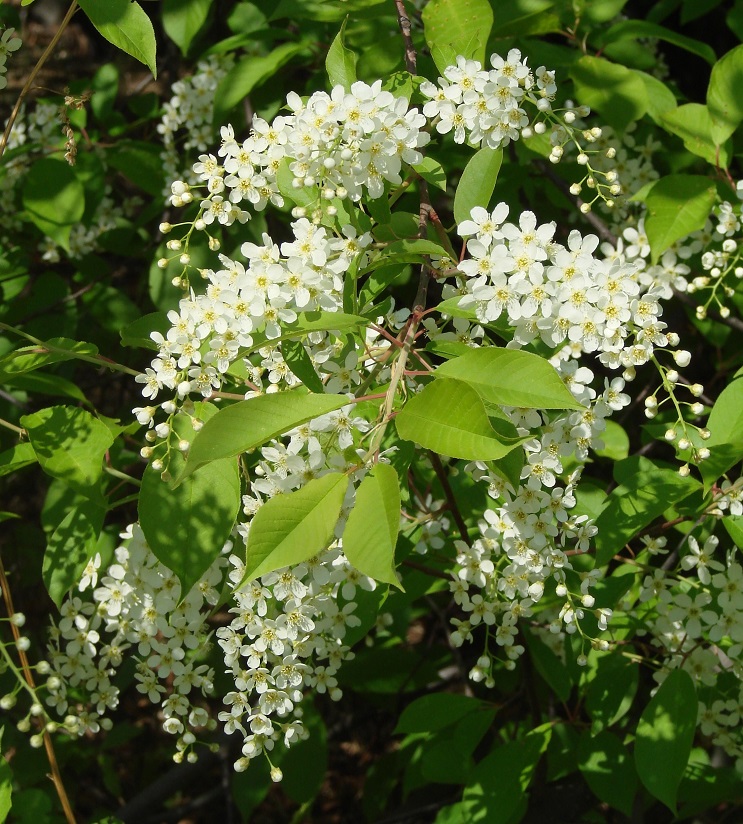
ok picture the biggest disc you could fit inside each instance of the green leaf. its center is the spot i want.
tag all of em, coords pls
(677, 206)
(409, 250)
(340, 62)
(431, 713)
(477, 184)
(725, 424)
(139, 162)
(607, 766)
(125, 24)
(632, 29)
(69, 444)
(692, 122)
(370, 535)
(432, 172)
(510, 377)
(499, 782)
(15, 458)
(247, 424)
(660, 98)
(733, 524)
(723, 94)
(458, 26)
(644, 492)
(70, 547)
(6, 789)
(249, 73)
(665, 734)
(54, 198)
(549, 666)
(29, 358)
(613, 90)
(611, 692)
(182, 20)
(43, 383)
(291, 528)
(449, 417)
(138, 333)
(187, 526)
(616, 442)
(300, 363)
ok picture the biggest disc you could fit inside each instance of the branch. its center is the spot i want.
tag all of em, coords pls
(438, 468)
(411, 57)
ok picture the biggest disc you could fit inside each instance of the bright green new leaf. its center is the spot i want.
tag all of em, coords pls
(613, 90)
(510, 377)
(340, 62)
(725, 444)
(643, 493)
(449, 417)
(247, 424)
(70, 547)
(53, 197)
(370, 535)
(125, 24)
(477, 184)
(665, 735)
(69, 444)
(660, 98)
(409, 250)
(692, 122)
(460, 27)
(677, 206)
(432, 172)
(723, 94)
(249, 73)
(615, 440)
(186, 526)
(607, 766)
(291, 528)
(182, 20)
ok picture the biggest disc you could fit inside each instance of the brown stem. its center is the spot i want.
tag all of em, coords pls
(438, 468)
(411, 58)
(56, 776)
(428, 570)
(32, 76)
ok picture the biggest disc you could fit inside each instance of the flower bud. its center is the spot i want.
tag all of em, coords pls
(682, 357)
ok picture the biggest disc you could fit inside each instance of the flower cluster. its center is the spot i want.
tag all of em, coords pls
(136, 609)
(287, 635)
(8, 43)
(186, 123)
(486, 107)
(335, 145)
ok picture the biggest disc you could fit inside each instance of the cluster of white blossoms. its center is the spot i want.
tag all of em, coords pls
(287, 636)
(186, 123)
(133, 608)
(245, 305)
(8, 43)
(558, 294)
(335, 145)
(696, 623)
(487, 107)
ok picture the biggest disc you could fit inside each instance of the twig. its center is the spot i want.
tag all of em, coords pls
(56, 776)
(426, 569)
(733, 323)
(438, 468)
(32, 76)
(411, 58)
